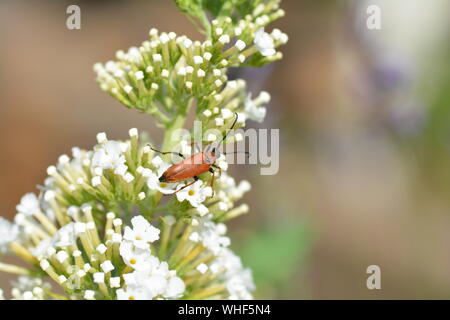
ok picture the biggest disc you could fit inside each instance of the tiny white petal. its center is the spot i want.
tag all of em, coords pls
(133, 132)
(89, 294)
(224, 39)
(99, 277)
(157, 161)
(128, 88)
(198, 60)
(240, 45)
(139, 75)
(101, 248)
(114, 282)
(202, 268)
(107, 266)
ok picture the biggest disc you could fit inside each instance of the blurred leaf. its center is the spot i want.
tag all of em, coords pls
(213, 6)
(438, 127)
(274, 254)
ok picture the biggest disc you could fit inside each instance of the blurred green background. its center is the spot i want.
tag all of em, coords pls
(364, 120)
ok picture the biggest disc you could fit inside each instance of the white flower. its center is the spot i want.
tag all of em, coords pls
(226, 113)
(186, 148)
(138, 259)
(41, 249)
(121, 170)
(202, 268)
(229, 190)
(157, 161)
(195, 193)
(211, 235)
(279, 36)
(8, 233)
(29, 204)
(114, 282)
(27, 283)
(65, 237)
(107, 266)
(202, 209)
(142, 233)
(243, 187)
(155, 281)
(28, 288)
(253, 111)
(264, 43)
(153, 180)
(99, 277)
(222, 162)
(89, 295)
(133, 293)
(175, 288)
(109, 155)
(240, 284)
(238, 280)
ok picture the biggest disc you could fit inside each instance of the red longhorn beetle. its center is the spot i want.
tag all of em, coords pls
(195, 165)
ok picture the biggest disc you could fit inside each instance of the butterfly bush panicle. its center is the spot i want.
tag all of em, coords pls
(168, 72)
(103, 225)
(101, 233)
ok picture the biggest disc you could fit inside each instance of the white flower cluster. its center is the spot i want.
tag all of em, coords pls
(238, 280)
(83, 232)
(151, 278)
(230, 100)
(8, 233)
(162, 75)
(29, 288)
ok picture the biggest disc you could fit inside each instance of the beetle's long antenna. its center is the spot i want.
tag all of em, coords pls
(226, 135)
(236, 152)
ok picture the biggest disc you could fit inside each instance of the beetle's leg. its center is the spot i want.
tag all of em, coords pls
(212, 177)
(176, 153)
(220, 169)
(190, 183)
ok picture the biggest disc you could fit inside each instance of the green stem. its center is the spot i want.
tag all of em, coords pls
(169, 140)
(11, 268)
(206, 24)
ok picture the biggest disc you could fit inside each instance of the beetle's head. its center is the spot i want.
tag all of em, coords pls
(210, 157)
